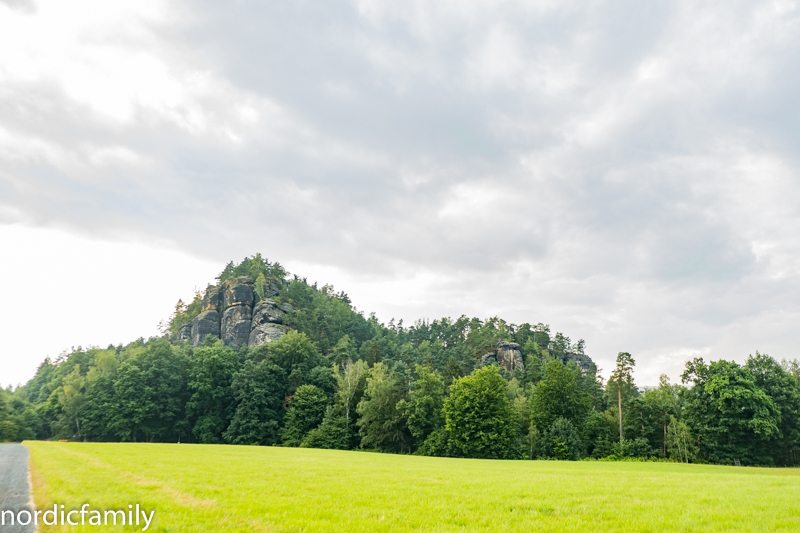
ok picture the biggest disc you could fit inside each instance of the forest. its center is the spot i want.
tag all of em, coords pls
(340, 379)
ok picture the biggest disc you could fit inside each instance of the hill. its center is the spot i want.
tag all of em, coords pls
(263, 357)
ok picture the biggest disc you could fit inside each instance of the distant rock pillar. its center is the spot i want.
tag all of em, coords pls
(509, 357)
(237, 300)
(267, 325)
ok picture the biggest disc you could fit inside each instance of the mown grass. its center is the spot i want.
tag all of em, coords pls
(240, 488)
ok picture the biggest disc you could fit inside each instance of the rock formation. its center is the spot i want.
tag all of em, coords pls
(267, 323)
(507, 356)
(203, 325)
(184, 333)
(267, 333)
(211, 299)
(235, 325)
(237, 291)
(267, 311)
(228, 314)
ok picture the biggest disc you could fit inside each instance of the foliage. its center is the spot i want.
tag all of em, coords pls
(334, 433)
(306, 411)
(423, 409)
(680, 445)
(733, 418)
(258, 390)
(479, 418)
(560, 395)
(561, 441)
(212, 403)
(400, 388)
(381, 424)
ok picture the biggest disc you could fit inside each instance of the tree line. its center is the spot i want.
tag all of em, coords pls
(343, 380)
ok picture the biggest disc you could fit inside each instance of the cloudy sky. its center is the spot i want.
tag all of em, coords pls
(626, 171)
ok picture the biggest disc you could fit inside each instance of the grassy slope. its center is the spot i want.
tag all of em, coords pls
(235, 488)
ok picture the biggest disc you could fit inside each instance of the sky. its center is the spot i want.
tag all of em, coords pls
(627, 172)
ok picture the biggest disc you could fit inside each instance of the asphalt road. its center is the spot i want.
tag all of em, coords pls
(14, 488)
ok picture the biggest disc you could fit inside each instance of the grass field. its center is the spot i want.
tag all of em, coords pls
(239, 488)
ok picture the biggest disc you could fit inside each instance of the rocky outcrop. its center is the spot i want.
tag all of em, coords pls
(211, 299)
(237, 291)
(507, 356)
(267, 322)
(203, 325)
(184, 333)
(267, 311)
(228, 314)
(267, 332)
(272, 288)
(235, 325)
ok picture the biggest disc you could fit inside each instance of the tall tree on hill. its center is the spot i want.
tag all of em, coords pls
(620, 384)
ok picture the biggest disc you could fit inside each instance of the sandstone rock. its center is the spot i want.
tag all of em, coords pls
(274, 289)
(184, 332)
(267, 332)
(267, 311)
(287, 308)
(509, 357)
(235, 326)
(488, 358)
(237, 291)
(203, 325)
(211, 299)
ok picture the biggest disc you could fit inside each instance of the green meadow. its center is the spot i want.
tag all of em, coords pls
(241, 488)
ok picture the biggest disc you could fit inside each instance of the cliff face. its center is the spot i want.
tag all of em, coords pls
(508, 356)
(228, 313)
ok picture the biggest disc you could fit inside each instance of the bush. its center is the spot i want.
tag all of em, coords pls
(561, 441)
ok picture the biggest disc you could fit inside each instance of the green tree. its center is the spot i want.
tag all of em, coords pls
(561, 441)
(784, 391)
(731, 415)
(150, 393)
(381, 425)
(660, 405)
(680, 444)
(423, 409)
(297, 356)
(479, 418)
(306, 411)
(71, 398)
(258, 390)
(620, 385)
(350, 383)
(212, 403)
(560, 395)
(333, 433)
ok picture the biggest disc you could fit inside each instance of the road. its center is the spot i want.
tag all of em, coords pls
(14, 488)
